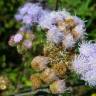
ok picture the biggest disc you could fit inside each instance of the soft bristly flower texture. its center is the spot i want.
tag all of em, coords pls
(85, 63)
(49, 20)
(88, 49)
(68, 41)
(54, 35)
(18, 37)
(63, 28)
(29, 13)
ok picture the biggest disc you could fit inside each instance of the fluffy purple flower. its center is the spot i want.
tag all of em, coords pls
(68, 41)
(54, 35)
(18, 37)
(29, 13)
(85, 63)
(27, 19)
(88, 49)
(50, 19)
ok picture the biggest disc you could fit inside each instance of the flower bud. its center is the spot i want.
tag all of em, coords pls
(27, 44)
(48, 75)
(39, 63)
(58, 87)
(3, 83)
(36, 82)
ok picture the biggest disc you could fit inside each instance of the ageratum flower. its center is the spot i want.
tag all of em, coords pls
(85, 63)
(54, 35)
(29, 13)
(78, 32)
(18, 37)
(88, 49)
(90, 77)
(68, 41)
(49, 20)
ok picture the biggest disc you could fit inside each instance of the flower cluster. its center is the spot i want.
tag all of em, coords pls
(85, 63)
(63, 31)
(63, 28)
(22, 39)
(48, 75)
(29, 13)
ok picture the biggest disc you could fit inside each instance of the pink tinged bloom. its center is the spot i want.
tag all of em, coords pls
(27, 44)
(18, 37)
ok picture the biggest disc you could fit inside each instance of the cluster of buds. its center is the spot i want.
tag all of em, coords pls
(48, 75)
(23, 40)
(4, 83)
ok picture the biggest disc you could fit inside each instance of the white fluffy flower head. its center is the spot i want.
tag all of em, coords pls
(85, 63)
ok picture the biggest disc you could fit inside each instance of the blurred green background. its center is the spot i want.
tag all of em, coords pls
(9, 58)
